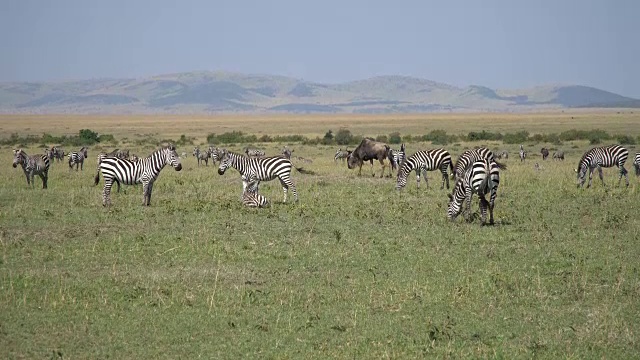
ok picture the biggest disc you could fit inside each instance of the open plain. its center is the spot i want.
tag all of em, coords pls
(355, 269)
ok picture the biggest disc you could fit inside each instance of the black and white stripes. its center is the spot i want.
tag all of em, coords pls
(77, 158)
(32, 165)
(636, 164)
(425, 160)
(523, 154)
(482, 177)
(254, 152)
(145, 171)
(468, 157)
(599, 157)
(260, 169)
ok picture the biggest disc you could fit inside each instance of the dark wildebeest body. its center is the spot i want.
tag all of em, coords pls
(369, 150)
(545, 153)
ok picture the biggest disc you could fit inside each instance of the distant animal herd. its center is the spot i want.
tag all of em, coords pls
(476, 171)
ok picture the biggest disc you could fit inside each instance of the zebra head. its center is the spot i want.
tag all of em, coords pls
(83, 150)
(196, 151)
(456, 200)
(19, 157)
(171, 157)
(225, 162)
(403, 173)
(582, 173)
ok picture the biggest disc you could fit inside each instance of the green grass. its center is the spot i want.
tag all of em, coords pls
(354, 270)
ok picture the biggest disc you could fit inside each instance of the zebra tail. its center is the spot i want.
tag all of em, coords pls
(452, 170)
(304, 171)
(96, 179)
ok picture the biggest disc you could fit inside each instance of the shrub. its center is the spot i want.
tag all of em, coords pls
(516, 138)
(395, 138)
(382, 138)
(344, 137)
(626, 140)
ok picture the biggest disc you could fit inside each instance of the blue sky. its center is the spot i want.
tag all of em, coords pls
(500, 44)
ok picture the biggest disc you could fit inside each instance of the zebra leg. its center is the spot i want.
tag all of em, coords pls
(444, 177)
(106, 191)
(600, 174)
(624, 172)
(418, 177)
(26, 174)
(590, 177)
(146, 191)
(81, 165)
(43, 176)
(150, 192)
(33, 183)
(484, 204)
(467, 198)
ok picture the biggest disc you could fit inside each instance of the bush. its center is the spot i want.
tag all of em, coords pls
(395, 138)
(344, 137)
(516, 138)
(483, 135)
(626, 140)
(328, 138)
(382, 138)
(438, 137)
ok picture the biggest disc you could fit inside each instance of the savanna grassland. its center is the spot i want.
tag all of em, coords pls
(353, 270)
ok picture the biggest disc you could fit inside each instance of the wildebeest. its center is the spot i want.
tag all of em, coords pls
(558, 155)
(369, 150)
(545, 153)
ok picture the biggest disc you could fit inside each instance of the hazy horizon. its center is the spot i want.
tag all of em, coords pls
(499, 44)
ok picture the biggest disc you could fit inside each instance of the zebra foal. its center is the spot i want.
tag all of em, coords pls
(145, 171)
(32, 166)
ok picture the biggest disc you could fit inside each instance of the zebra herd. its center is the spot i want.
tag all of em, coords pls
(476, 171)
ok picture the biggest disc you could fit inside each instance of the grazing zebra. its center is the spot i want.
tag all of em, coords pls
(502, 154)
(200, 156)
(636, 164)
(397, 157)
(77, 158)
(254, 152)
(32, 165)
(145, 171)
(523, 154)
(599, 157)
(341, 155)
(558, 155)
(286, 152)
(260, 169)
(425, 160)
(468, 157)
(482, 177)
(545, 153)
(121, 154)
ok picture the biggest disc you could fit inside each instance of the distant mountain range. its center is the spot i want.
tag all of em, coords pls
(225, 92)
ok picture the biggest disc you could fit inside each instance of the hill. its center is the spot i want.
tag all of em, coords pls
(214, 92)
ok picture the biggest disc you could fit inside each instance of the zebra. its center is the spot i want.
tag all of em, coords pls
(216, 154)
(32, 165)
(113, 153)
(250, 196)
(636, 164)
(482, 177)
(341, 155)
(397, 157)
(545, 153)
(254, 152)
(145, 171)
(77, 158)
(286, 152)
(523, 154)
(121, 154)
(260, 169)
(200, 156)
(57, 153)
(422, 161)
(502, 154)
(599, 157)
(468, 157)
(558, 155)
